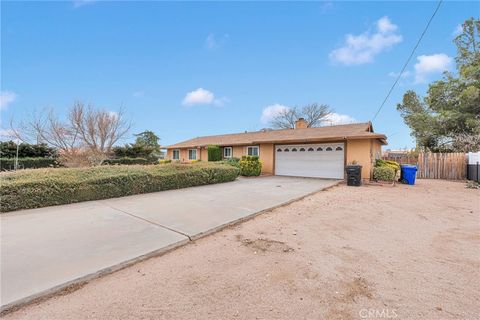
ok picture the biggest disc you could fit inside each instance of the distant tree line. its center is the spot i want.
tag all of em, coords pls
(8, 149)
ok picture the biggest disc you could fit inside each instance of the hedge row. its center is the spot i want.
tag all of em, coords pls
(47, 187)
(27, 163)
(130, 161)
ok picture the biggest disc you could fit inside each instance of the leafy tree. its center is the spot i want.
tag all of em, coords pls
(448, 118)
(313, 113)
(146, 145)
(148, 139)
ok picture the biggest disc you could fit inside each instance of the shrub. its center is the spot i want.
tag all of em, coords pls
(195, 161)
(165, 161)
(130, 161)
(214, 153)
(385, 173)
(47, 187)
(27, 163)
(233, 162)
(250, 166)
(387, 163)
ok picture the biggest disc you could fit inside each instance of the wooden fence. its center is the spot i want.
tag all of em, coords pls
(451, 166)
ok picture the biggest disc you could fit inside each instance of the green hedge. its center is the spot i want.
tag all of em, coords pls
(130, 161)
(214, 153)
(47, 187)
(27, 163)
(250, 166)
(385, 173)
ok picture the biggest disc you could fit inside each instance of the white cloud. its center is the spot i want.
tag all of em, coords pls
(201, 96)
(7, 97)
(428, 65)
(81, 3)
(458, 30)
(213, 42)
(405, 74)
(363, 48)
(336, 118)
(271, 112)
(384, 25)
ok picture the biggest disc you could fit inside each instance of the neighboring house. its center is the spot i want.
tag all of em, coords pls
(398, 153)
(319, 152)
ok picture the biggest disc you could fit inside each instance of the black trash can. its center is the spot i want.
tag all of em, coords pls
(473, 172)
(354, 175)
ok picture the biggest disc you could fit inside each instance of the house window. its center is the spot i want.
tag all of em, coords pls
(287, 150)
(192, 154)
(227, 152)
(302, 149)
(279, 150)
(338, 149)
(329, 149)
(294, 150)
(176, 154)
(319, 149)
(253, 151)
(311, 149)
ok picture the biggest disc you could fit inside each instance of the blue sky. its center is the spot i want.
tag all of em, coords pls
(191, 69)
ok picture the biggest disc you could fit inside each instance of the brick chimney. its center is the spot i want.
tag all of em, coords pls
(301, 123)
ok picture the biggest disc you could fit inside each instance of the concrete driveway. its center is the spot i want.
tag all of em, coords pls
(44, 250)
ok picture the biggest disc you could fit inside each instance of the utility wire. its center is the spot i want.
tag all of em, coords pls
(408, 60)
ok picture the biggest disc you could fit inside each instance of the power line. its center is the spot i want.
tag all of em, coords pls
(408, 60)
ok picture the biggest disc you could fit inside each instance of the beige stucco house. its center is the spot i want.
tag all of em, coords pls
(321, 152)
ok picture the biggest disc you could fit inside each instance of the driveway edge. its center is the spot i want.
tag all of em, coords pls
(253, 215)
(78, 283)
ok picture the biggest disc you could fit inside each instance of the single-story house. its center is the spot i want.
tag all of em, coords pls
(321, 152)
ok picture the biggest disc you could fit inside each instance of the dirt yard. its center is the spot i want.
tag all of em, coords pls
(346, 253)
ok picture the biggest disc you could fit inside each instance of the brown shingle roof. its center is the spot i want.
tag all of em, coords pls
(327, 133)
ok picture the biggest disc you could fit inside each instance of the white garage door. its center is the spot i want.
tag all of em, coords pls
(324, 160)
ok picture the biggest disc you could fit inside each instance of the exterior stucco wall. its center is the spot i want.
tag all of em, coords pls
(184, 155)
(203, 154)
(361, 151)
(376, 150)
(239, 151)
(266, 157)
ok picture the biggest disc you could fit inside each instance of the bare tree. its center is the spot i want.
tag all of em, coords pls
(285, 119)
(313, 113)
(99, 130)
(87, 135)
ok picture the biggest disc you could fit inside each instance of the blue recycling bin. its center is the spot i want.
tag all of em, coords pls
(409, 172)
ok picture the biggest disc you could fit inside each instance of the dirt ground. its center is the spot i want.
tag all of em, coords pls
(346, 253)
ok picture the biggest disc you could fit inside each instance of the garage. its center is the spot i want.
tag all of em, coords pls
(324, 160)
